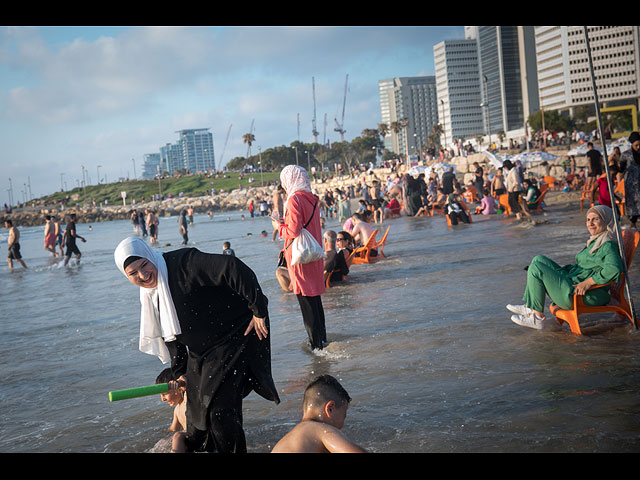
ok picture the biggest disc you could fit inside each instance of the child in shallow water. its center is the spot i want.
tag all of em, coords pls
(324, 411)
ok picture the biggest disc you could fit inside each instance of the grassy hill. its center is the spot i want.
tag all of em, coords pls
(190, 186)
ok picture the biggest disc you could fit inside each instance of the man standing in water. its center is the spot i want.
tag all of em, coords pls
(14, 245)
(58, 233)
(152, 222)
(69, 239)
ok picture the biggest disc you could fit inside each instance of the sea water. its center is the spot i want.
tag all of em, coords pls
(420, 339)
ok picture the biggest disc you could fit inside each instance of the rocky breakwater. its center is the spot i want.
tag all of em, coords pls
(465, 168)
(234, 200)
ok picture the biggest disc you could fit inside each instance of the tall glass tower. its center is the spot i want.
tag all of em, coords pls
(197, 150)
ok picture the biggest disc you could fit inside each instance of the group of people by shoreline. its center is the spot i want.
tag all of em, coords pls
(54, 238)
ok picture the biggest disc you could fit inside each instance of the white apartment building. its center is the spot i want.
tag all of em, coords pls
(413, 99)
(564, 76)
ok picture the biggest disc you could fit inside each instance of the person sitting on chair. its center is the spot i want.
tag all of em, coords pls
(335, 261)
(455, 211)
(362, 231)
(597, 263)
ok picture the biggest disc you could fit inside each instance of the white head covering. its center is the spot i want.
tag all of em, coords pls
(158, 318)
(294, 179)
(609, 233)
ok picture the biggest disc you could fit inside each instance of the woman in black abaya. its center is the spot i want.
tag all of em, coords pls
(207, 315)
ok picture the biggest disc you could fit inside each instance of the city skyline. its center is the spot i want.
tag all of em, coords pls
(100, 98)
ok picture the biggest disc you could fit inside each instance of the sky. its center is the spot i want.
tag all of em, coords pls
(100, 98)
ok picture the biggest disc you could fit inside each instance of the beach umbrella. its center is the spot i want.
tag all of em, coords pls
(529, 158)
(581, 150)
(496, 159)
(622, 143)
(417, 170)
(439, 168)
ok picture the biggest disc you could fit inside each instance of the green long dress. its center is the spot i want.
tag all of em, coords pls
(545, 277)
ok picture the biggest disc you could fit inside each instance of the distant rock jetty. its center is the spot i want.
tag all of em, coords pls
(239, 199)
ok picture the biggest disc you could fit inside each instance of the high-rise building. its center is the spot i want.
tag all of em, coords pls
(413, 99)
(458, 89)
(506, 60)
(564, 74)
(171, 158)
(197, 150)
(386, 115)
(193, 152)
(152, 165)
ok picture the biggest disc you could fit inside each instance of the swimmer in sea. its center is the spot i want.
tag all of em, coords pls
(324, 411)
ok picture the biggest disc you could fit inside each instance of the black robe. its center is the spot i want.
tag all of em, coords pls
(215, 297)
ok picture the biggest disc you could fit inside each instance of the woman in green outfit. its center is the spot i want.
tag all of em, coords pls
(598, 263)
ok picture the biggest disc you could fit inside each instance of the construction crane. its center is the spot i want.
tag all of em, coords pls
(225, 144)
(340, 126)
(314, 130)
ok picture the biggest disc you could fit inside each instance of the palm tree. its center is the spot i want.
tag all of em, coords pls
(396, 127)
(248, 138)
(383, 130)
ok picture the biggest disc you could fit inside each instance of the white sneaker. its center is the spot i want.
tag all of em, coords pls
(531, 320)
(519, 309)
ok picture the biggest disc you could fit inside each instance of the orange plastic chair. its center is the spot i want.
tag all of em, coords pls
(350, 259)
(586, 196)
(618, 303)
(328, 280)
(435, 208)
(619, 189)
(537, 205)
(551, 181)
(503, 201)
(363, 254)
(379, 246)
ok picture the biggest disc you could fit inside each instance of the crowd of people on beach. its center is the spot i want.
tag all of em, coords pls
(298, 208)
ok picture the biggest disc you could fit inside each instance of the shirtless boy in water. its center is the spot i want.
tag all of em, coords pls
(362, 229)
(324, 411)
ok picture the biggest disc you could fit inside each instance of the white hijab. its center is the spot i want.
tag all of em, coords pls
(158, 318)
(294, 179)
(608, 234)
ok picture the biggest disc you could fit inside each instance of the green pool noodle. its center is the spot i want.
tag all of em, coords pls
(138, 392)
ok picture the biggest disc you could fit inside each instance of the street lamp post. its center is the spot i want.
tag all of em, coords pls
(486, 104)
(404, 122)
(444, 125)
(84, 186)
(260, 163)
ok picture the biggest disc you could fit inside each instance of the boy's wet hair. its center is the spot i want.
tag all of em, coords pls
(165, 376)
(323, 389)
